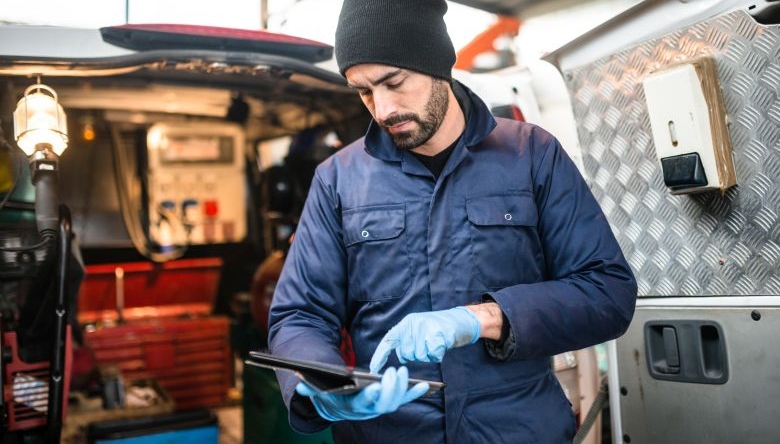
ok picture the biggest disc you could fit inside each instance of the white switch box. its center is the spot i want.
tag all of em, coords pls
(688, 122)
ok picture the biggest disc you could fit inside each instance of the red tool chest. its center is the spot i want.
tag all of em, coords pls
(153, 321)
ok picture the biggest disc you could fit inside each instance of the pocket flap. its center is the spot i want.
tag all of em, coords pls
(506, 210)
(372, 224)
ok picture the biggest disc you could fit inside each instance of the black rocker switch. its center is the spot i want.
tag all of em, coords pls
(683, 171)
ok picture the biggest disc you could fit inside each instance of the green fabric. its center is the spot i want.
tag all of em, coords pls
(265, 415)
(14, 168)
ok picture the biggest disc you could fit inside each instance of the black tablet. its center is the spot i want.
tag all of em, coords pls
(328, 378)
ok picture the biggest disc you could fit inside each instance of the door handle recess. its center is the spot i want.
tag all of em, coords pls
(686, 351)
(671, 350)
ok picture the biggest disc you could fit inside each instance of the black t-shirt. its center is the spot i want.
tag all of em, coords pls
(436, 162)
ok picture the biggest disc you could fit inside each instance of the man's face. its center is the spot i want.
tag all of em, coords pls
(408, 105)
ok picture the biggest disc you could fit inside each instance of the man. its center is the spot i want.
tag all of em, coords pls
(452, 246)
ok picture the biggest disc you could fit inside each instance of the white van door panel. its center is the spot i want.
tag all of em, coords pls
(699, 363)
(738, 405)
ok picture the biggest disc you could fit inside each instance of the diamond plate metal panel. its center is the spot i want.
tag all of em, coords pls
(691, 245)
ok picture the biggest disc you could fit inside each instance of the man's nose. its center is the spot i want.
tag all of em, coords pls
(384, 106)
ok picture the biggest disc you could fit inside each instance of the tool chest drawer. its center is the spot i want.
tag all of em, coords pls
(189, 358)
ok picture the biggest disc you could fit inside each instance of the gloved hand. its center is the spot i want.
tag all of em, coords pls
(373, 400)
(427, 336)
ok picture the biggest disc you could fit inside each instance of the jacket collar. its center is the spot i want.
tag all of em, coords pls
(479, 123)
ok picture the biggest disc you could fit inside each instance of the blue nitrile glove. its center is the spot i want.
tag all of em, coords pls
(373, 400)
(427, 336)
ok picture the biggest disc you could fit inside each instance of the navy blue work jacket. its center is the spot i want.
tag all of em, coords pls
(509, 217)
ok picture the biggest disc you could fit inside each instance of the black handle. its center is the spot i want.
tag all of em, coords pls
(686, 351)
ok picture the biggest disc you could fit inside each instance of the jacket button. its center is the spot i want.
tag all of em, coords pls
(364, 233)
(508, 216)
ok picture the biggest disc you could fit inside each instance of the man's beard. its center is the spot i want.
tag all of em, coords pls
(434, 112)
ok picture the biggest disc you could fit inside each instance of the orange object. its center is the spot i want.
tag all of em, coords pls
(505, 25)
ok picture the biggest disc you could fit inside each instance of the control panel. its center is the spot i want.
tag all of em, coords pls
(196, 187)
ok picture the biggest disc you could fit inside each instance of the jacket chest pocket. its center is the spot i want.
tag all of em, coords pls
(377, 252)
(504, 241)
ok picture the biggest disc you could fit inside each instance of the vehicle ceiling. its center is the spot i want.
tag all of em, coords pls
(278, 104)
(521, 8)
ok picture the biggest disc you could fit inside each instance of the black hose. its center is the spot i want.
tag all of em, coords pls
(593, 413)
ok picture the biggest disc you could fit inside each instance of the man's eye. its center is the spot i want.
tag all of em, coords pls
(364, 92)
(394, 85)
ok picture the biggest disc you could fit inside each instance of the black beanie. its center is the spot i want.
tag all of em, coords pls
(408, 34)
